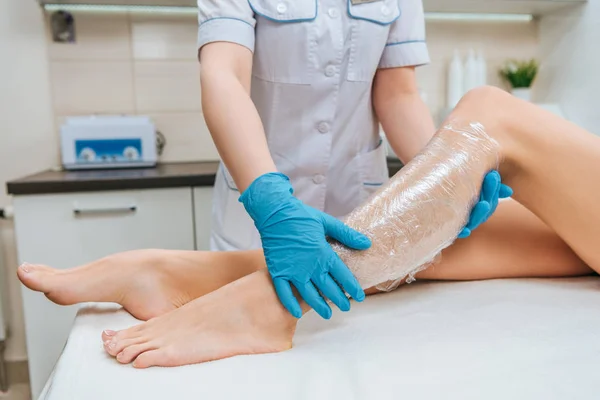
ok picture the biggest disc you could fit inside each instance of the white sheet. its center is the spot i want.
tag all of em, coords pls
(504, 339)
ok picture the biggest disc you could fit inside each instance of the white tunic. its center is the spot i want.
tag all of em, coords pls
(314, 64)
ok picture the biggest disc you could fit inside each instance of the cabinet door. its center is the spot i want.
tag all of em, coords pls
(67, 230)
(203, 200)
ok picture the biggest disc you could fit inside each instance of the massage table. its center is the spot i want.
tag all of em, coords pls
(499, 339)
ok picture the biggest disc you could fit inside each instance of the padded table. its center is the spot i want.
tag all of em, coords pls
(499, 339)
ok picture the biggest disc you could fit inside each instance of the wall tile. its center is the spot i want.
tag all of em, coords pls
(188, 138)
(164, 37)
(496, 40)
(167, 86)
(99, 36)
(92, 87)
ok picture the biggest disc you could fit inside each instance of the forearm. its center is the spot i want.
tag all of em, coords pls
(408, 125)
(233, 120)
(405, 118)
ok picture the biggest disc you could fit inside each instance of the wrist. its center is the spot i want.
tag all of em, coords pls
(265, 195)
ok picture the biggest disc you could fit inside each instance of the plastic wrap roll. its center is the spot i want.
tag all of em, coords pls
(423, 208)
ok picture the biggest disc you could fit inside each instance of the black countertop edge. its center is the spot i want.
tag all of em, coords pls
(167, 175)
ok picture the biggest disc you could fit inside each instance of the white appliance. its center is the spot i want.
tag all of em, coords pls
(108, 142)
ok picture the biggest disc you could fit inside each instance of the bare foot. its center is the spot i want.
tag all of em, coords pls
(147, 283)
(244, 317)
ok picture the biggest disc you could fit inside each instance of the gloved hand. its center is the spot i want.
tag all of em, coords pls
(296, 250)
(491, 191)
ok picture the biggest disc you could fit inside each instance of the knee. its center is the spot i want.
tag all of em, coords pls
(485, 95)
(486, 104)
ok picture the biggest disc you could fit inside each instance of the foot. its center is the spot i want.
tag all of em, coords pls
(244, 317)
(147, 283)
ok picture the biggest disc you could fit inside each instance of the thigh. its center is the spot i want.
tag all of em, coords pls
(514, 243)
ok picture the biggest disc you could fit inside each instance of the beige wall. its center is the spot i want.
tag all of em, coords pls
(498, 41)
(570, 72)
(28, 139)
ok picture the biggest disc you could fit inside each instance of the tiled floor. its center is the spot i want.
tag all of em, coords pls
(19, 391)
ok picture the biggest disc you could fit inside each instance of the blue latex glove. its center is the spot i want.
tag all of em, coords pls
(491, 191)
(296, 250)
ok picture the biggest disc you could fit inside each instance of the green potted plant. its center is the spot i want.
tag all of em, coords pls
(520, 75)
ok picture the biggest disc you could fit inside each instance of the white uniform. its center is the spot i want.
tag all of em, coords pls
(314, 64)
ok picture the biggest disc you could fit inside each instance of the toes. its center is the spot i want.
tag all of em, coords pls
(148, 359)
(124, 334)
(163, 357)
(122, 339)
(34, 276)
(131, 352)
(107, 335)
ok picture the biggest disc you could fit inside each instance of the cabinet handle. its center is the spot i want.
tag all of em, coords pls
(108, 210)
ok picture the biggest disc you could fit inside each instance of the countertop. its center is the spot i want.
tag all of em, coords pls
(163, 176)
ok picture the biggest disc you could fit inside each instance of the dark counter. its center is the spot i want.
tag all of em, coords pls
(394, 166)
(163, 176)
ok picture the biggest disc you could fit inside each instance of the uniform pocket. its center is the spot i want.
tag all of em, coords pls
(285, 40)
(370, 29)
(373, 171)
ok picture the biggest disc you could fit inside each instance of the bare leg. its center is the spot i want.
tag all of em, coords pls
(551, 164)
(147, 283)
(218, 325)
(514, 243)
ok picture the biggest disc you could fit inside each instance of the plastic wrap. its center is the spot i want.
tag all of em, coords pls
(423, 208)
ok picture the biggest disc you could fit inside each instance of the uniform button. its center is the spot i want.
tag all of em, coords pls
(330, 71)
(323, 127)
(333, 13)
(318, 179)
(281, 8)
(385, 10)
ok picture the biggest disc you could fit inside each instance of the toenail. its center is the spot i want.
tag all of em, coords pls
(25, 267)
(112, 345)
(108, 332)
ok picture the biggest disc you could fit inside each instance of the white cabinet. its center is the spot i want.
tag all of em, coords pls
(66, 230)
(202, 216)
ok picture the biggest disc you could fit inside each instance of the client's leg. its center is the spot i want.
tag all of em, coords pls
(514, 243)
(245, 317)
(552, 165)
(147, 283)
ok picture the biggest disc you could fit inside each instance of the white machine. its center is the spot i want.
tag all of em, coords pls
(108, 142)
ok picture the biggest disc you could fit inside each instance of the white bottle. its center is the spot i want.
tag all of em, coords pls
(455, 81)
(471, 72)
(481, 69)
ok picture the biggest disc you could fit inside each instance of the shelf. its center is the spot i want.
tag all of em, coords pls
(159, 3)
(530, 7)
(533, 7)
